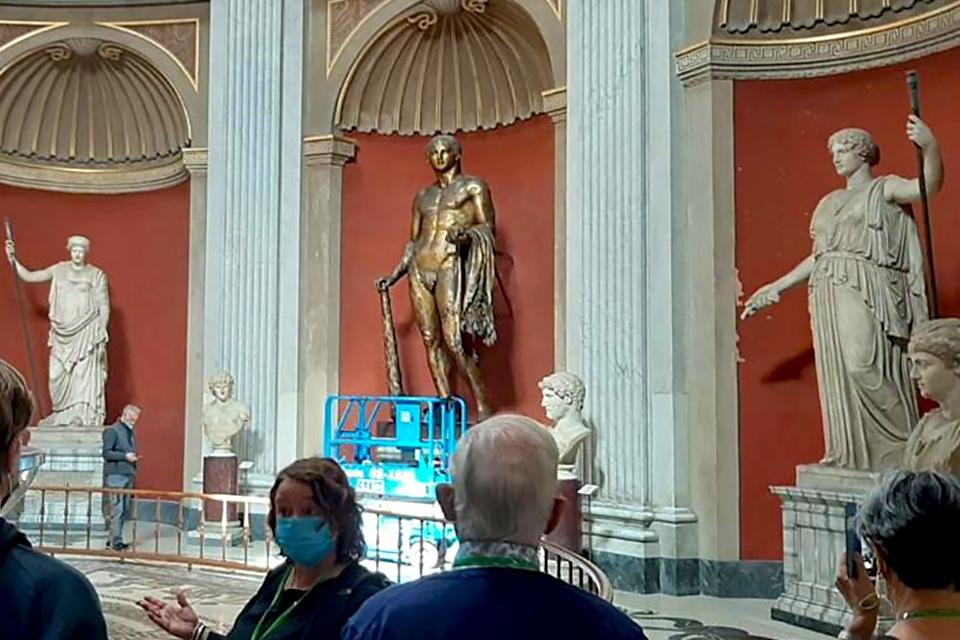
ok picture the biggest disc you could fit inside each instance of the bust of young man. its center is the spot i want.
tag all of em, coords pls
(562, 400)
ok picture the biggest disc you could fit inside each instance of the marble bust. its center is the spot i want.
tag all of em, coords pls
(934, 445)
(562, 400)
(223, 417)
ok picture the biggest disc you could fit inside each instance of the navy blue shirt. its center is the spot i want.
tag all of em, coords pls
(42, 598)
(488, 603)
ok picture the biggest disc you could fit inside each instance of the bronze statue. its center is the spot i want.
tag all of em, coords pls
(450, 266)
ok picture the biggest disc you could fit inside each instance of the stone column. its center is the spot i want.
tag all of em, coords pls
(555, 106)
(253, 227)
(195, 160)
(320, 285)
(625, 250)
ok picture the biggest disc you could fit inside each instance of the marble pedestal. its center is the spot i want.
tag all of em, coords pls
(569, 532)
(220, 475)
(814, 538)
(72, 458)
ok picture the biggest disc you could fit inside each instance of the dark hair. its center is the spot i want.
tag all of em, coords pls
(16, 405)
(335, 497)
(913, 519)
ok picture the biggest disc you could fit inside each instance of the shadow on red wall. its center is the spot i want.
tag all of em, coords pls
(141, 243)
(783, 169)
(379, 187)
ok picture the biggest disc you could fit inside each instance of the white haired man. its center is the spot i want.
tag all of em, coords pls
(503, 499)
(119, 469)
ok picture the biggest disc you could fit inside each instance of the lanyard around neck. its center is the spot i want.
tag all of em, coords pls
(259, 632)
(490, 561)
(930, 613)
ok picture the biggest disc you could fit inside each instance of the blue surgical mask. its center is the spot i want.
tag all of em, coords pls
(306, 541)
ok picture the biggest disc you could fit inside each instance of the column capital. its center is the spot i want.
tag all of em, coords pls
(555, 104)
(195, 159)
(330, 149)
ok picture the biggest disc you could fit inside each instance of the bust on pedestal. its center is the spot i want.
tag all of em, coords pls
(563, 395)
(223, 418)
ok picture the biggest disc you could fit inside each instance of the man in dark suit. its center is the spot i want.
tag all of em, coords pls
(119, 469)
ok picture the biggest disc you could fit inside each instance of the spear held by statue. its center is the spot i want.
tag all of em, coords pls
(21, 308)
(913, 87)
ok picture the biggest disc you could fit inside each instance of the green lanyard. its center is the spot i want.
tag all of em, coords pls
(931, 613)
(488, 561)
(259, 633)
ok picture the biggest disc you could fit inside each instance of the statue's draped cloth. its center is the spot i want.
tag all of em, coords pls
(866, 295)
(477, 276)
(79, 307)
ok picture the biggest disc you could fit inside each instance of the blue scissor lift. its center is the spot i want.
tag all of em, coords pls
(397, 449)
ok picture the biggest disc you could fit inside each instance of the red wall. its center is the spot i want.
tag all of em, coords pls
(783, 169)
(141, 243)
(379, 187)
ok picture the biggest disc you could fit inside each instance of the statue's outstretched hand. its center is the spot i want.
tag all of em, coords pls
(919, 132)
(11, 250)
(763, 297)
(178, 619)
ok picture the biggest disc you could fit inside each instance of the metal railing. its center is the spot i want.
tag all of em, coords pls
(176, 527)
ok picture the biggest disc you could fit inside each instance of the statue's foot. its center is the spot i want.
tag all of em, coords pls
(828, 461)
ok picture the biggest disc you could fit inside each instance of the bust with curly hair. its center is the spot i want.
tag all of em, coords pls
(224, 416)
(934, 445)
(562, 400)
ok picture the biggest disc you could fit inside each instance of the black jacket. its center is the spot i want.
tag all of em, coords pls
(118, 441)
(322, 613)
(42, 598)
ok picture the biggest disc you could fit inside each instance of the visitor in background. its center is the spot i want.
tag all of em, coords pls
(119, 469)
(40, 598)
(315, 518)
(504, 498)
(912, 524)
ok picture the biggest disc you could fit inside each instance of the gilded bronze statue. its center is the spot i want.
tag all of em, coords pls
(449, 263)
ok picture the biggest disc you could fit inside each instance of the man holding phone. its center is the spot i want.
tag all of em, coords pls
(119, 469)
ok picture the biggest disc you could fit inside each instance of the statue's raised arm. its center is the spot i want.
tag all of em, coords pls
(42, 275)
(906, 191)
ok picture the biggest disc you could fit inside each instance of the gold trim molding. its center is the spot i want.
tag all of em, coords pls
(193, 75)
(741, 59)
(75, 180)
(40, 28)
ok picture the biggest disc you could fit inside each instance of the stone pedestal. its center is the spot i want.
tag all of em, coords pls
(814, 538)
(220, 475)
(569, 532)
(72, 458)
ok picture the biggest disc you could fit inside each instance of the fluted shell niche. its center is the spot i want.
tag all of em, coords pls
(86, 103)
(448, 66)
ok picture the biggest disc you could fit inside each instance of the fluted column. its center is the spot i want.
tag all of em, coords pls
(624, 255)
(555, 106)
(253, 241)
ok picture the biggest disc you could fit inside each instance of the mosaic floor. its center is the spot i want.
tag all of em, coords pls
(218, 597)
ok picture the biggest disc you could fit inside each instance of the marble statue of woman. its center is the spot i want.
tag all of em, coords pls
(79, 313)
(866, 294)
(562, 400)
(934, 445)
(223, 417)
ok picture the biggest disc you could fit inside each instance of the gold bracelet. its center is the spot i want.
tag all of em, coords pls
(870, 602)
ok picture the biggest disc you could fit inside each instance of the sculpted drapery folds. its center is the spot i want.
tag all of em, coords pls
(866, 295)
(451, 270)
(79, 314)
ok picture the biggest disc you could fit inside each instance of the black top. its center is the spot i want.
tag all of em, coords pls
(118, 441)
(319, 615)
(42, 598)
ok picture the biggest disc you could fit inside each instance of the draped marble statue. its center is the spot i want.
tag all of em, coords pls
(934, 444)
(866, 294)
(450, 267)
(79, 313)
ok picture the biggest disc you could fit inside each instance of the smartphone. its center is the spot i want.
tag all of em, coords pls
(854, 548)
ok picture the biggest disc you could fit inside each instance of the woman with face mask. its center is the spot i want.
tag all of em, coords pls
(912, 524)
(315, 520)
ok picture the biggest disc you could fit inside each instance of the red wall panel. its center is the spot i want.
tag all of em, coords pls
(141, 241)
(782, 170)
